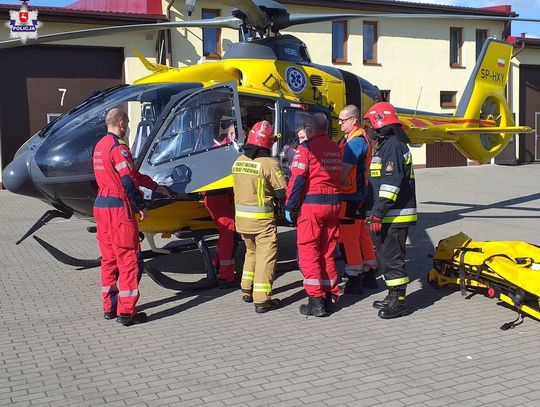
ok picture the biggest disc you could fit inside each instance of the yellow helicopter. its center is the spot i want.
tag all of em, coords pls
(184, 110)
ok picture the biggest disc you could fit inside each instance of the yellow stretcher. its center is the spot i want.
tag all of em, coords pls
(507, 270)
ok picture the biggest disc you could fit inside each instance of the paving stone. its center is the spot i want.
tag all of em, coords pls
(210, 349)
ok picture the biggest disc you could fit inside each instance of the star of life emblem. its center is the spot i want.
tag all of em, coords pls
(23, 24)
(295, 78)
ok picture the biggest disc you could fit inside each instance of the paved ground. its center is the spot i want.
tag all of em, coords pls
(211, 349)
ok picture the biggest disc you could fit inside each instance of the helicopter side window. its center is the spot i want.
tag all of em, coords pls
(255, 109)
(70, 140)
(292, 122)
(203, 122)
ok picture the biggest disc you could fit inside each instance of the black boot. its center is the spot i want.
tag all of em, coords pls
(262, 307)
(330, 303)
(380, 304)
(126, 320)
(370, 279)
(315, 307)
(397, 306)
(354, 285)
(247, 296)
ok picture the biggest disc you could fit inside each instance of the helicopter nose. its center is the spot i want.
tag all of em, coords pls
(17, 179)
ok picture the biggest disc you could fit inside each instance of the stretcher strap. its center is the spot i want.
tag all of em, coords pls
(462, 286)
(463, 252)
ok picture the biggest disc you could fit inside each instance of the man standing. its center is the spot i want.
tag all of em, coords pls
(220, 205)
(394, 204)
(117, 200)
(313, 189)
(258, 180)
(354, 239)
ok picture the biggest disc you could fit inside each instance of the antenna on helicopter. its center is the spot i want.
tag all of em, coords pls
(418, 101)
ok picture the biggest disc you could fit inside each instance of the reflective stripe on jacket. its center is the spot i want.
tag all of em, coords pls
(392, 185)
(255, 183)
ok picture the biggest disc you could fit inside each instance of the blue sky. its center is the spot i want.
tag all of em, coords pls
(525, 8)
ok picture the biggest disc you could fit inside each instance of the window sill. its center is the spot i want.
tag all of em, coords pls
(457, 67)
(372, 63)
(341, 63)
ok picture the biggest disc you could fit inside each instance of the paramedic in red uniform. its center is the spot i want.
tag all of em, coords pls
(117, 201)
(354, 237)
(220, 205)
(314, 190)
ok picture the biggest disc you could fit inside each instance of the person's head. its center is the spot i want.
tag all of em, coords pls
(261, 134)
(349, 119)
(231, 132)
(381, 114)
(227, 130)
(305, 131)
(117, 122)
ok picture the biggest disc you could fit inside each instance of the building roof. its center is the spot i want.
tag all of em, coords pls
(524, 42)
(406, 7)
(64, 14)
(119, 6)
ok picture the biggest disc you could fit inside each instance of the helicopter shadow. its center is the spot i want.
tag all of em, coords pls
(169, 264)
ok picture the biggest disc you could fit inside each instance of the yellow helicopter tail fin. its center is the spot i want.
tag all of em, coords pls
(483, 104)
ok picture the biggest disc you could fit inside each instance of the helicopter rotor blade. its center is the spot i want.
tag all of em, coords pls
(218, 22)
(297, 19)
(255, 17)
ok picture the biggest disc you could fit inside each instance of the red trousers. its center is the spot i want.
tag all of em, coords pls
(118, 238)
(366, 246)
(221, 208)
(349, 239)
(317, 236)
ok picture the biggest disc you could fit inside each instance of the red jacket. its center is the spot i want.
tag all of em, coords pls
(115, 174)
(315, 173)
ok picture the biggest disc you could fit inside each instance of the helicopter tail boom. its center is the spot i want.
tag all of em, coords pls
(483, 123)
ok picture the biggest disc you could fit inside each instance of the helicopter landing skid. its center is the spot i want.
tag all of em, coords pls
(155, 274)
(67, 259)
(167, 282)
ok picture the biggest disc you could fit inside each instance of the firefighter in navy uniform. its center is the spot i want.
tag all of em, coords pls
(258, 181)
(392, 189)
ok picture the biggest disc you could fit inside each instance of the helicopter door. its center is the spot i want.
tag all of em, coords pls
(198, 142)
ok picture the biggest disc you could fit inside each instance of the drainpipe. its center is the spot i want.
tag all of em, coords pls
(168, 39)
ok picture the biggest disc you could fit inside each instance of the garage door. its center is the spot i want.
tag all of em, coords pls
(45, 81)
(529, 111)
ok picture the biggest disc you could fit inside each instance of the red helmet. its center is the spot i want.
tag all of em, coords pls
(381, 114)
(261, 134)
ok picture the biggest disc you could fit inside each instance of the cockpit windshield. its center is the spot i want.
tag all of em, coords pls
(70, 140)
